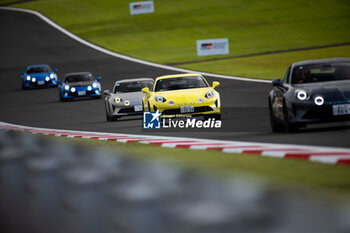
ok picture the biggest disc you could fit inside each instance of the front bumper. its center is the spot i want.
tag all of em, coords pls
(311, 113)
(122, 110)
(199, 109)
(40, 83)
(72, 95)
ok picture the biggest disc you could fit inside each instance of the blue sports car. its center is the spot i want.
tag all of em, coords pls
(82, 84)
(39, 76)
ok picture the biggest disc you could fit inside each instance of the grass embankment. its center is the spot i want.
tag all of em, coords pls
(169, 34)
(315, 177)
(8, 2)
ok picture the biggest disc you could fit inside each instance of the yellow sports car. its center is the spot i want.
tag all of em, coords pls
(183, 94)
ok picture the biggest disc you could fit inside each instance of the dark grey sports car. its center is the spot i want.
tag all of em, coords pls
(126, 98)
(312, 91)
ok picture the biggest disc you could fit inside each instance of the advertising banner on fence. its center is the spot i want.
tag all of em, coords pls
(141, 7)
(212, 47)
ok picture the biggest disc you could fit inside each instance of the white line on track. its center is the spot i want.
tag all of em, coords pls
(121, 56)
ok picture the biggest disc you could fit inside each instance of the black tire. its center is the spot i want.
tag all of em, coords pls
(108, 117)
(276, 124)
(288, 126)
(111, 118)
(62, 99)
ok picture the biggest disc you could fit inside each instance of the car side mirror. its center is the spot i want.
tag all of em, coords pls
(215, 84)
(98, 78)
(277, 83)
(146, 90)
(59, 82)
(22, 73)
(106, 92)
(55, 70)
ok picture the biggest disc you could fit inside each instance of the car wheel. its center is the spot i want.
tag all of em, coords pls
(108, 117)
(288, 126)
(276, 124)
(23, 86)
(111, 118)
(62, 99)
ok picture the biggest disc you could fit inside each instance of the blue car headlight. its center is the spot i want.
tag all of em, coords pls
(73, 89)
(89, 88)
(66, 87)
(94, 85)
(28, 78)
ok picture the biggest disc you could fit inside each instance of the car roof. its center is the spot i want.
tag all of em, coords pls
(133, 80)
(178, 75)
(77, 73)
(35, 66)
(320, 61)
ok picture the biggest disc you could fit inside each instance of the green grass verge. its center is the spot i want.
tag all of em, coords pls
(7, 1)
(331, 180)
(267, 66)
(169, 34)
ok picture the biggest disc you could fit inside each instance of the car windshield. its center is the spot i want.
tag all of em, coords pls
(321, 72)
(42, 69)
(134, 86)
(170, 84)
(73, 78)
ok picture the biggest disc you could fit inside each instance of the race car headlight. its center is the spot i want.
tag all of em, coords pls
(301, 94)
(89, 88)
(72, 89)
(127, 102)
(319, 100)
(28, 78)
(94, 85)
(33, 80)
(47, 78)
(117, 100)
(160, 99)
(52, 75)
(66, 87)
(171, 102)
(200, 100)
(209, 94)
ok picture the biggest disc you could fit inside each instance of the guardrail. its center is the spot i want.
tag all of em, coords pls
(48, 186)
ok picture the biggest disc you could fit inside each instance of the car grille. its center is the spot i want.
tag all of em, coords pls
(76, 93)
(324, 112)
(127, 110)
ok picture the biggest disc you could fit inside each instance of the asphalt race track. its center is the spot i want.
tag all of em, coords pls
(25, 40)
